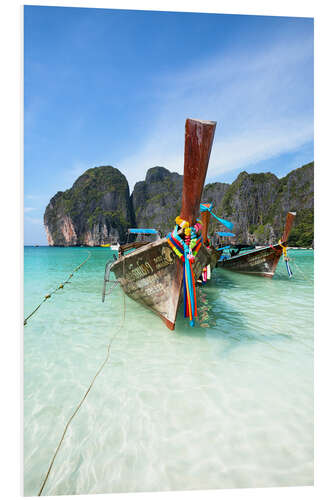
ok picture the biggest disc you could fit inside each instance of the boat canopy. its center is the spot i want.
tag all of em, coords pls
(222, 233)
(142, 231)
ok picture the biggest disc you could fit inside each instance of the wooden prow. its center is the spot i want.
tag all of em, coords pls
(151, 274)
(205, 218)
(199, 137)
(287, 227)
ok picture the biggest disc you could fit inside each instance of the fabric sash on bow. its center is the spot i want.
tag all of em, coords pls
(208, 208)
(190, 298)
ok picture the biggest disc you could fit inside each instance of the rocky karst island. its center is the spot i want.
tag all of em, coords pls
(99, 206)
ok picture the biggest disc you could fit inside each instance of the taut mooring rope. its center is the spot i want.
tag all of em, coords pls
(59, 287)
(87, 391)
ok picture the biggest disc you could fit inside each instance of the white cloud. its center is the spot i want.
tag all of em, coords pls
(262, 105)
(28, 209)
(247, 148)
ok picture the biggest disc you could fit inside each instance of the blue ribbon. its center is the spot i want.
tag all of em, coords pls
(288, 269)
(137, 230)
(226, 223)
(185, 249)
(222, 233)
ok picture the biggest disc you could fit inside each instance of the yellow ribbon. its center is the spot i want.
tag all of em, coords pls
(284, 249)
(181, 222)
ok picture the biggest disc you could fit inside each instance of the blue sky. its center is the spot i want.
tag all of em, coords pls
(114, 87)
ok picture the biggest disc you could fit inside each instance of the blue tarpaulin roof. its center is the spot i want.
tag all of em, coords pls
(221, 233)
(142, 231)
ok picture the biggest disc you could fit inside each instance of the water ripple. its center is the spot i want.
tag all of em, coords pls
(226, 404)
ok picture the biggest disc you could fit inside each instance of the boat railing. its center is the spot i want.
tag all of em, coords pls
(107, 278)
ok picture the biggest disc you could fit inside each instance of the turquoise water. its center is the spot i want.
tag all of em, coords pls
(227, 404)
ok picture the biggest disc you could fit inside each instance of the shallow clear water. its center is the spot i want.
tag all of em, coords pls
(227, 404)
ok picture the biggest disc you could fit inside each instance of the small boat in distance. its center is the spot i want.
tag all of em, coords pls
(154, 274)
(260, 262)
(114, 244)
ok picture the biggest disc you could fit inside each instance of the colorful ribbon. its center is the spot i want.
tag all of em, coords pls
(205, 207)
(187, 252)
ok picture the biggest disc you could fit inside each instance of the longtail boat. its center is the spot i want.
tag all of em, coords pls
(156, 273)
(262, 261)
(113, 245)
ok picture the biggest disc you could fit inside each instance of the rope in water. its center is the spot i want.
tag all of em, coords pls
(86, 393)
(59, 287)
(299, 269)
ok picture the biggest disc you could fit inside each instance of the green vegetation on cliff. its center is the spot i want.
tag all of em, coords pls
(98, 206)
(257, 204)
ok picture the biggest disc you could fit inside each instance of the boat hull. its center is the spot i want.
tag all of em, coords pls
(153, 276)
(263, 261)
(260, 262)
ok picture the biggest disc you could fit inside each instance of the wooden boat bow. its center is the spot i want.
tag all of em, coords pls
(199, 136)
(153, 274)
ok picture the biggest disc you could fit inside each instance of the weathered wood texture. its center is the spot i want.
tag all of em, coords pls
(205, 218)
(261, 262)
(289, 222)
(199, 137)
(153, 276)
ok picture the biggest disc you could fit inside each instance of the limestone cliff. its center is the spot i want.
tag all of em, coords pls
(96, 208)
(258, 204)
(213, 193)
(157, 200)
